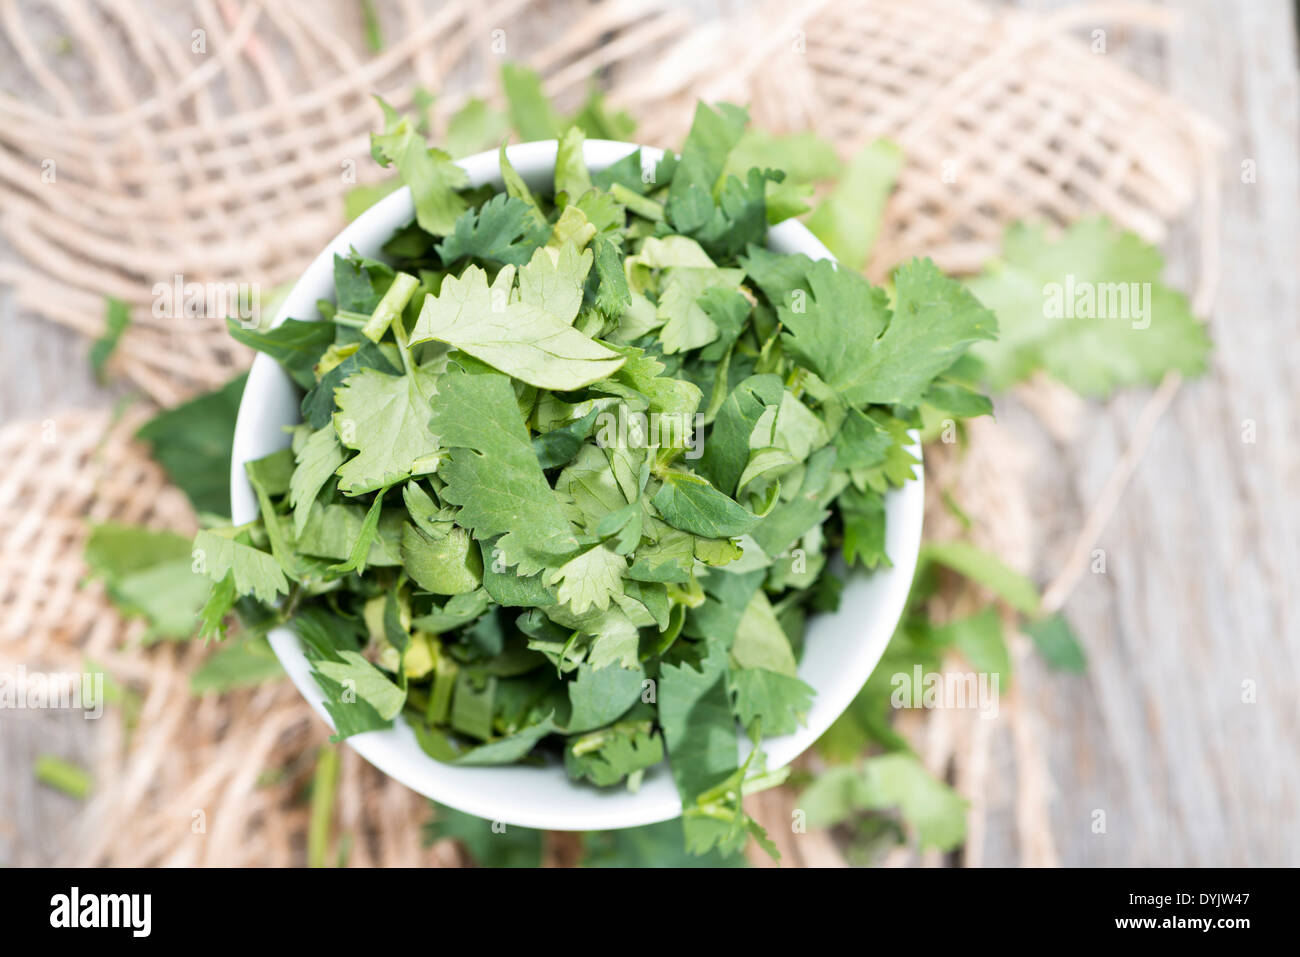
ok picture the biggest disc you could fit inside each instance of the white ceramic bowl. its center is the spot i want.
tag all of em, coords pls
(840, 650)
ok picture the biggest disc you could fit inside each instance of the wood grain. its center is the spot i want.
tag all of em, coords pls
(1203, 553)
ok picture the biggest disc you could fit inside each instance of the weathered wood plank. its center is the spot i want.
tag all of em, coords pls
(1192, 612)
(37, 823)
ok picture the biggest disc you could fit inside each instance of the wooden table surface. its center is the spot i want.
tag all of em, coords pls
(1185, 730)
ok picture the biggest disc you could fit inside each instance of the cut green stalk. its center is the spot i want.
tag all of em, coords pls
(370, 20)
(324, 787)
(444, 680)
(353, 320)
(117, 318)
(63, 776)
(391, 306)
(641, 205)
(404, 348)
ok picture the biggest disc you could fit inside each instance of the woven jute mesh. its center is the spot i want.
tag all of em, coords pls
(150, 158)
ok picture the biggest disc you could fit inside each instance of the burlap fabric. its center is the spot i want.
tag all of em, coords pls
(229, 163)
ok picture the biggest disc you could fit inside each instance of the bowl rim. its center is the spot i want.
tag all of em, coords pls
(494, 792)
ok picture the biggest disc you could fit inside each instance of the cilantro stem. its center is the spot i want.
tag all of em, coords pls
(768, 359)
(291, 606)
(370, 20)
(669, 454)
(390, 307)
(716, 811)
(564, 652)
(761, 782)
(409, 284)
(324, 786)
(446, 670)
(404, 350)
(62, 776)
(643, 206)
(795, 381)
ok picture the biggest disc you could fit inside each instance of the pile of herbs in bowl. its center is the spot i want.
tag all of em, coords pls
(574, 469)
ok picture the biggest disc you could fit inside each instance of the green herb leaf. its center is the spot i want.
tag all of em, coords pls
(1089, 308)
(385, 418)
(295, 344)
(147, 573)
(475, 127)
(362, 680)
(504, 230)
(778, 701)
(529, 338)
(1055, 641)
(318, 458)
(531, 113)
(192, 443)
(602, 695)
(849, 218)
(432, 175)
(493, 475)
(488, 844)
(255, 572)
(241, 664)
(690, 503)
(699, 731)
(843, 329)
(987, 570)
